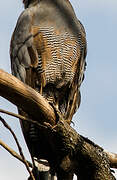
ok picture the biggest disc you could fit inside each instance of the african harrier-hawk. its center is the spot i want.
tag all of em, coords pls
(48, 51)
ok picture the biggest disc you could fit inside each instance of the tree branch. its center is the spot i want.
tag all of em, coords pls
(80, 155)
(22, 118)
(18, 145)
(25, 98)
(13, 153)
(112, 158)
(68, 152)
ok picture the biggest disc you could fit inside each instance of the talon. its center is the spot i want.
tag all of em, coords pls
(58, 113)
(53, 127)
(48, 125)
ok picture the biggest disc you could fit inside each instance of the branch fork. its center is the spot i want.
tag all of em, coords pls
(72, 152)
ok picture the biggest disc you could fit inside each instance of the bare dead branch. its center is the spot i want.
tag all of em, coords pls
(78, 149)
(18, 145)
(13, 153)
(25, 98)
(22, 118)
(112, 158)
(82, 156)
(40, 163)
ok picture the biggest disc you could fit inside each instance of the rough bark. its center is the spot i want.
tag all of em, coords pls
(86, 159)
(70, 152)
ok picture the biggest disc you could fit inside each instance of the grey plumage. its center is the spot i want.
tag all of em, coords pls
(48, 51)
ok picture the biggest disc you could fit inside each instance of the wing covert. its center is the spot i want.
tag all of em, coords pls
(22, 51)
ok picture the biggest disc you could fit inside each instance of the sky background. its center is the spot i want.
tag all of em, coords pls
(97, 116)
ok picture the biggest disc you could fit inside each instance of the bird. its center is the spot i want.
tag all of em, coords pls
(48, 52)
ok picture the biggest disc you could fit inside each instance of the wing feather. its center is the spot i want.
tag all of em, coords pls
(23, 54)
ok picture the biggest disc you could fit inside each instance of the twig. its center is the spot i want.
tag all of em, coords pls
(18, 145)
(22, 118)
(13, 153)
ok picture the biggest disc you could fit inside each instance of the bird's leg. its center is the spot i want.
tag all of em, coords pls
(59, 115)
(57, 105)
(41, 89)
(57, 111)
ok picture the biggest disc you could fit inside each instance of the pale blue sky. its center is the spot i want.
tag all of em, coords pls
(97, 115)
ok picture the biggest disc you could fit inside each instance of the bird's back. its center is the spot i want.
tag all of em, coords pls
(48, 50)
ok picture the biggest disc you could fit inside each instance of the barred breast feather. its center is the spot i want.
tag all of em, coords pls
(48, 50)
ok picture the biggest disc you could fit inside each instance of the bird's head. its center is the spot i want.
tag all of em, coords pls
(27, 3)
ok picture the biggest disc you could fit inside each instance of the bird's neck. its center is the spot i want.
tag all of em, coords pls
(30, 3)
